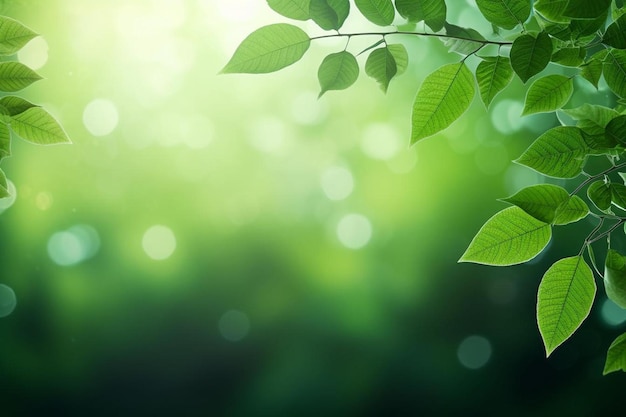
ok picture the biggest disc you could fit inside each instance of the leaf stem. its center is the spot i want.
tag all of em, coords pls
(425, 34)
(593, 178)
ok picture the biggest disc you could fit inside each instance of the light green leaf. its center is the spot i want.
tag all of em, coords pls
(13, 36)
(459, 40)
(293, 9)
(614, 71)
(585, 9)
(269, 49)
(14, 76)
(600, 195)
(5, 141)
(493, 75)
(616, 356)
(400, 55)
(4, 189)
(548, 94)
(560, 153)
(615, 277)
(510, 237)
(615, 34)
(592, 69)
(549, 203)
(443, 97)
(530, 55)
(569, 57)
(379, 12)
(338, 71)
(381, 66)
(37, 126)
(592, 118)
(329, 14)
(564, 300)
(505, 13)
(432, 12)
(616, 130)
(552, 10)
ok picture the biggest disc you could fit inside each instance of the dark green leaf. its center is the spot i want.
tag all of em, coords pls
(37, 126)
(460, 40)
(510, 237)
(14, 76)
(615, 34)
(5, 141)
(548, 93)
(443, 97)
(432, 12)
(13, 36)
(586, 9)
(381, 66)
(505, 13)
(600, 195)
(618, 195)
(616, 356)
(560, 153)
(329, 14)
(269, 49)
(293, 9)
(615, 277)
(616, 129)
(379, 12)
(530, 55)
(564, 300)
(493, 75)
(569, 57)
(587, 27)
(338, 71)
(592, 70)
(547, 202)
(615, 71)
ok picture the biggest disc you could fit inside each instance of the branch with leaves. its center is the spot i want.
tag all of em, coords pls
(547, 44)
(19, 117)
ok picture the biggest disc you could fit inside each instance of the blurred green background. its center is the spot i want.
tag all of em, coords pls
(231, 245)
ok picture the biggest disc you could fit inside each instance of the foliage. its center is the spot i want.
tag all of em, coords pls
(548, 45)
(19, 117)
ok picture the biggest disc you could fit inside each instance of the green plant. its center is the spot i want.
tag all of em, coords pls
(545, 43)
(19, 117)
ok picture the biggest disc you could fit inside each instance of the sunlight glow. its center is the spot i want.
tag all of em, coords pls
(474, 352)
(100, 117)
(7, 300)
(354, 231)
(159, 242)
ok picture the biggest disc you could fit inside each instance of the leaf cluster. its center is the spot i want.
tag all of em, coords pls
(552, 47)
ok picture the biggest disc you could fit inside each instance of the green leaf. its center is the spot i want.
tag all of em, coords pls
(12, 106)
(530, 55)
(37, 126)
(493, 75)
(615, 277)
(564, 300)
(329, 14)
(269, 49)
(381, 66)
(293, 9)
(592, 70)
(616, 356)
(600, 195)
(5, 141)
(618, 195)
(432, 12)
(510, 237)
(379, 12)
(616, 130)
(547, 202)
(592, 118)
(14, 76)
(338, 71)
(615, 71)
(400, 55)
(13, 36)
(552, 10)
(560, 152)
(443, 97)
(4, 189)
(585, 9)
(505, 13)
(587, 27)
(459, 39)
(548, 94)
(570, 57)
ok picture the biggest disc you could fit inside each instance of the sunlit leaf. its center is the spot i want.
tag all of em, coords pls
(459, 39)
(564, 300)
(493, 75)
(586, 9)
(615, 277)
(552, 10)
(269, 49)
(13, 36)
(614, 71)
(510, 237)
(293, 9)
(15, 76)
(600, 195)
(400, 55)
(443, 97)
(548, 93)
(569, 57)
(329, 14)
(381, 66)
(37, 126)
(549, 203)
(432, 12)
(5, 141)
(616, 356)
(505, 13)
(530, 54)
(379, 12)
(560, 153)
(338, 71)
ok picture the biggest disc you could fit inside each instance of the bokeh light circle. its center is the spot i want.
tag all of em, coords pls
(612, 314)
(354, 231)
(7, 202)
(159, 242)
(100, 117)
(474, 352)
(74, 245)
(8, 301)
(35, 54)
(337, 183)
(234, 325)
